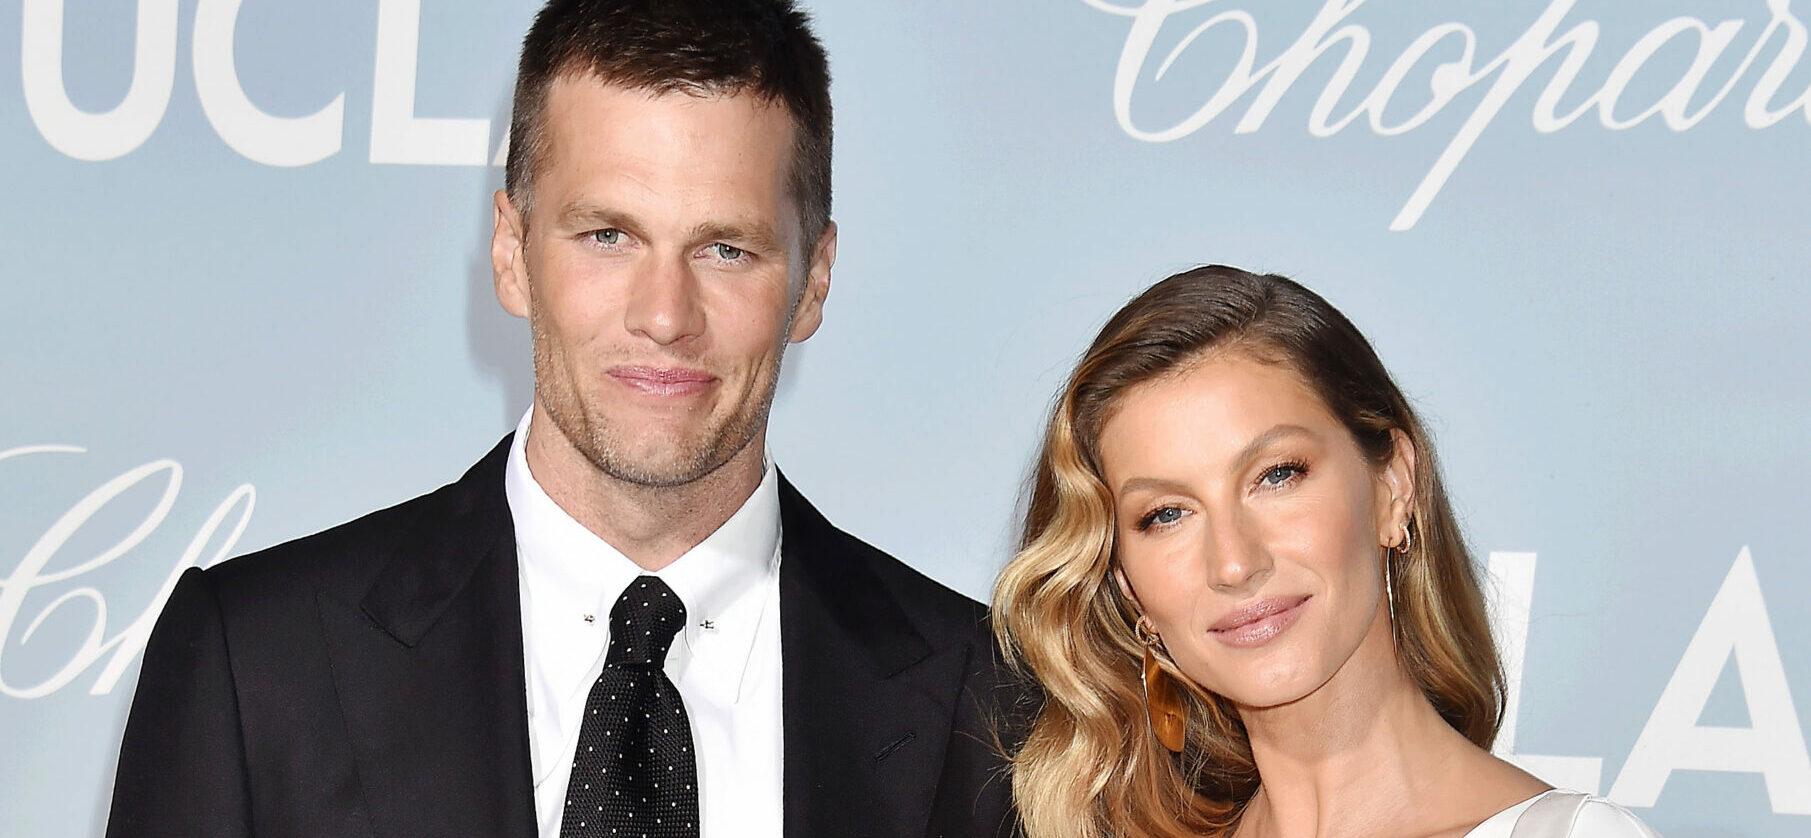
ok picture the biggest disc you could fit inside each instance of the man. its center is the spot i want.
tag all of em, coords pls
(623, 620)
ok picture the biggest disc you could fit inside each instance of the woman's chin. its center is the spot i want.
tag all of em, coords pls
(1276, 684)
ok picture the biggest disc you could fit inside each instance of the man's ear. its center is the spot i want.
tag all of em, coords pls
(509, 274)
(1397, 504)
(810, 312)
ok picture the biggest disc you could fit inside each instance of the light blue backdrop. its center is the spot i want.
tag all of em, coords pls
(253, 301)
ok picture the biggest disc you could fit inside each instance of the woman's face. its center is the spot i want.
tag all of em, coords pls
(1250, 527)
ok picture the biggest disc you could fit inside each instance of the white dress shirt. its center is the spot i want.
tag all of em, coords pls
(726, 663)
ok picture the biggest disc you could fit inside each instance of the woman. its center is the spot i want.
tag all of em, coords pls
(1244, 592)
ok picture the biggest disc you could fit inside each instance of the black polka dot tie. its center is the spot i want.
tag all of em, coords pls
(634, 774)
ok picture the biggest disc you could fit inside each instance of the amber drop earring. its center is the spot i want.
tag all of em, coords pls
(1163, 699)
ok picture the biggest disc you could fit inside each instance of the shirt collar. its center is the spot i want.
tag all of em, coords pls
(713, 579)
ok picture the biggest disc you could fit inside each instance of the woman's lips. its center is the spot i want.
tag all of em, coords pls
(1258, 623)
(663, 381)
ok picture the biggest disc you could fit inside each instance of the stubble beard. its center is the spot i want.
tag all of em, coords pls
(601, 442)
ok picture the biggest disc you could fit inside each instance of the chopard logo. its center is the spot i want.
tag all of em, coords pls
(1724, 63)
(34, 571)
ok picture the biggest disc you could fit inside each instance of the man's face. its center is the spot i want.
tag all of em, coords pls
(662, 270)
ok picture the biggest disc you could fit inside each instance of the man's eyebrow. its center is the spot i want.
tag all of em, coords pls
(594, 216)
(757, 237)
(588, 216)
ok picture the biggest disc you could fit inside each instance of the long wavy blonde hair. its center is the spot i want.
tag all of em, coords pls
(1089, 766)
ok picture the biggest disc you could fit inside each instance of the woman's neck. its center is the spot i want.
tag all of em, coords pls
(1349, 754)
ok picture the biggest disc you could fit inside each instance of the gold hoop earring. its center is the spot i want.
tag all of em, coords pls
(1389, 586)
(1389, 571)
(1163, 700)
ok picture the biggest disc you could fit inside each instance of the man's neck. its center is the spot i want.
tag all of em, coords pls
(652, 525)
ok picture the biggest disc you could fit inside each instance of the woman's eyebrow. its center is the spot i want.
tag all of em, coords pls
(1267, 438)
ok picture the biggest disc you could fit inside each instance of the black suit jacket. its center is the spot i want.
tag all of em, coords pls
(369, 681)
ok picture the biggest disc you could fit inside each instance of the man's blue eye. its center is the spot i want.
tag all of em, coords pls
(610, 236)
(727, 252)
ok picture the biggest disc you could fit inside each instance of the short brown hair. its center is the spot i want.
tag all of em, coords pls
(701, 47)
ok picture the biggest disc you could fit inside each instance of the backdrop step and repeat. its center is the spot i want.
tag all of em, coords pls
(247, 296)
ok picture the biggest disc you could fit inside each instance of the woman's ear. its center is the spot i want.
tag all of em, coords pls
(1397, 498)
(1125, 587)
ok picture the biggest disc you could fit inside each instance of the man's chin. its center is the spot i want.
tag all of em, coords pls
(660, 463)
(641, 450)
(660, 475)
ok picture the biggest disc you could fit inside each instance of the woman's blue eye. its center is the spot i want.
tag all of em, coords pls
(1161, 517)
(727, 252)
(1278, 475)
(610, 236)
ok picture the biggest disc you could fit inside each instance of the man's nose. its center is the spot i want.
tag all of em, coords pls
(664, 302)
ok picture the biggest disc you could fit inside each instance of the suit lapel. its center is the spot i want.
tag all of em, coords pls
(867, 701)
(429, 671)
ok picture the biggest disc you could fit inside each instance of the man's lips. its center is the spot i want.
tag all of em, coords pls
(663, 381)
(1257, 622)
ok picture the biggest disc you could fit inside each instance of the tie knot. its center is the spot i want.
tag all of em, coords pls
(643, 622)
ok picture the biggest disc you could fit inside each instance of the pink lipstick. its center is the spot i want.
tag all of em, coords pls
(1258, 622)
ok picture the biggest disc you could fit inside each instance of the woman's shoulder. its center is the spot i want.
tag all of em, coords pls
(1596, 816)
(1600, 817)
(1564, 814)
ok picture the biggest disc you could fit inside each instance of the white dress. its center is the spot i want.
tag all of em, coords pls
(1590, 817)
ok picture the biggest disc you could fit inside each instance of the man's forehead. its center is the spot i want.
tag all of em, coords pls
(729, 153)
(587, 121)
(571, 87)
